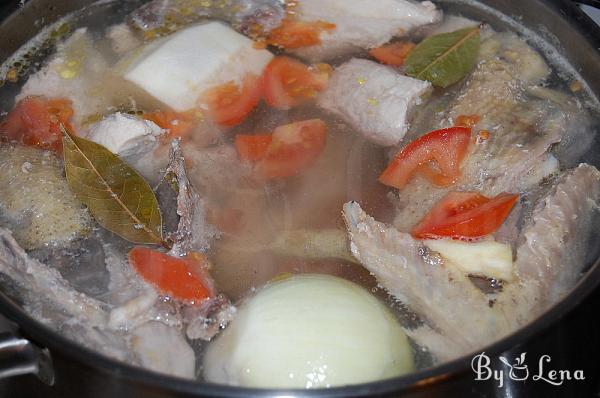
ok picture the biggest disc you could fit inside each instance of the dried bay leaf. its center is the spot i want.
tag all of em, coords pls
(446, 58)
(116, 195)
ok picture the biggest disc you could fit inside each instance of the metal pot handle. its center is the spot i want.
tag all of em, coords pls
(19, 356)
(591, 3)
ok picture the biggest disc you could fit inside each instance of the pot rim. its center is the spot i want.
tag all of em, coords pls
(41, 333)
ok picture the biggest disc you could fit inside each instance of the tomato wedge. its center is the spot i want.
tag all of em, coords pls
(465, 215)
(296, 34)
(392, 54)
(294, 147)
(445, 148)
(184, 278)
(35, 121)
(179, 124)
(229, 104)
(289, 82)
(252, 147)
(290, 149)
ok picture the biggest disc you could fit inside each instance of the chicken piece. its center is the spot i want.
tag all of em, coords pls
(134, 311)
(125, 135)
(459, 317)
(74, 72)
(513, 156)
(47, 282)
(177, 69)
(133, 300)
(580, 133)
(361, 24)
(447, 300)
(163, 349)
(530, 66)
(555, 240)
(35, 198)
(208, 318)
(122, 39)
(50, 299)
(374, 99)
(124, 283)
(193, 232)
(152, 164)
(159, 17)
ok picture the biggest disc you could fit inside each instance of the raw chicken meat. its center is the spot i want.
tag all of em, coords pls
(133, 312)
(48, 283)
(553, 243)
(361, 24)
(420, 280)
(75, 72)
(34, 194)
(374, 99)
(209, 317)
(513, 156)
(83, 318)
(458, 316)
(159, 17)
(193, 233)
(125, 135)
(122, 38)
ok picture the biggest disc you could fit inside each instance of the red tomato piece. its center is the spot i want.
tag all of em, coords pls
(35, 121)
(184, 278)
(289, 82)
(229, 104)
(293, 148)
(465, 215)
(392, 54)
(446, 147)
(252, 147)
(296, 34)
(179, 124)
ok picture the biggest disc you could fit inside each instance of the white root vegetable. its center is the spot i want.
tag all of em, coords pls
(313, 244)
(177, 69)
(486, 258)
(309, 331)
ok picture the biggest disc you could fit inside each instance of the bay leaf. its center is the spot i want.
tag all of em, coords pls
(116, 195)
(446, 58)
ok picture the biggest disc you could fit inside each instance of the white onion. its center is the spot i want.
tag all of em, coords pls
(309, 331)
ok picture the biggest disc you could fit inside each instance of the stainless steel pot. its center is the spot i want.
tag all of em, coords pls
(62, 368)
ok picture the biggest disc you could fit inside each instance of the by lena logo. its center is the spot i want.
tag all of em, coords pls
(519, 371)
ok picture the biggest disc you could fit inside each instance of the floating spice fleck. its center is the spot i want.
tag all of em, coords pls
(575, 86)
(12, 75)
